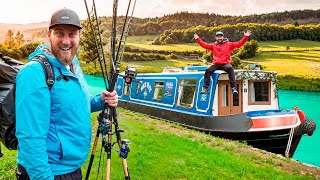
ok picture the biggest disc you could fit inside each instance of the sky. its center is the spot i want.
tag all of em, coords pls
(32, 11)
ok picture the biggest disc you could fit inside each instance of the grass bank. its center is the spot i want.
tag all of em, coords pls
(162, 150)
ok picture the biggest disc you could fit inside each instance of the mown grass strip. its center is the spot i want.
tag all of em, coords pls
(162, 150)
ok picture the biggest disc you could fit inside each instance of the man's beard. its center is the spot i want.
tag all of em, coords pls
(220, 41)
(63, 59)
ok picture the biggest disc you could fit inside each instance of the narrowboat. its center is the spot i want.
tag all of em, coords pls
(252, 116)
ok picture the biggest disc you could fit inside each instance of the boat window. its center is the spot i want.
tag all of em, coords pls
(158, 90)
(187, 89)
(225, 98)
(259, 92)
(126, 89)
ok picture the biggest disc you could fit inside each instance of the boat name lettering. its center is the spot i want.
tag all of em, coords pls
(146, 85)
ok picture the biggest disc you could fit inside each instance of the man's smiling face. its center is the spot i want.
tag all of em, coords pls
(64, 42)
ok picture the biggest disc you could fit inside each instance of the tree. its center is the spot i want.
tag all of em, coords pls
(88, 52)
(9, 39)
(248, 50)
(19, 39)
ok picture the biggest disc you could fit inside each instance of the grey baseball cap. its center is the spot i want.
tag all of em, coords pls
(219, 33)
(65, 16)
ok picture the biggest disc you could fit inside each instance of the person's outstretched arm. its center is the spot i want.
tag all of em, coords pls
(238, 44)
(202, 43)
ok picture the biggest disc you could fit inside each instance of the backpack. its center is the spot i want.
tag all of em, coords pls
(9, 69)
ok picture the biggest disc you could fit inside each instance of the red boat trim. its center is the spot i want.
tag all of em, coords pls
(274, 122)
(302, 115)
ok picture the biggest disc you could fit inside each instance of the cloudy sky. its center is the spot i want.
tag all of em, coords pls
(29, 11)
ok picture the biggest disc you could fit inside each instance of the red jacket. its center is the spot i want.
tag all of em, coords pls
(221, 52)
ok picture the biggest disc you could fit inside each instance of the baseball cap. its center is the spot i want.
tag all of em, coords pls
(65, 16)
(219, 33)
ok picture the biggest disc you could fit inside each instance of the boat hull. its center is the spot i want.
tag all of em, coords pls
(233, 127)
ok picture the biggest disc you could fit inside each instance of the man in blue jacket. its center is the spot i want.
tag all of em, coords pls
(53, 126)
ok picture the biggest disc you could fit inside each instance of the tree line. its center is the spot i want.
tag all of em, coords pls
(261, 32)
(184, 20)
(14, 46)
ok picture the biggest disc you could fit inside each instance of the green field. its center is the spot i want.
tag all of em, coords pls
(144, 42)
(305, 64)
(297, 66)
(161, 150)
(294, 45)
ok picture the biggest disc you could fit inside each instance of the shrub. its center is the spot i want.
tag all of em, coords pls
(235, 61)
(248, 50)
(173, 56)
(207, 56)
(128, 57)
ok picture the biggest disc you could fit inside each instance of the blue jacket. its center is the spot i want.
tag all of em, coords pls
(53, 127)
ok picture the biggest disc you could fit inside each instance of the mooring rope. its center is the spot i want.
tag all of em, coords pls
(295, 109)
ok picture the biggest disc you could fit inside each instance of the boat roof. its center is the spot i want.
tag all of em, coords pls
(188, 69)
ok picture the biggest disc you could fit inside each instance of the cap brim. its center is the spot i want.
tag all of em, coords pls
(53, 25)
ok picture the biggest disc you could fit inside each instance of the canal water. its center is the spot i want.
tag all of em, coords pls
(308, 150)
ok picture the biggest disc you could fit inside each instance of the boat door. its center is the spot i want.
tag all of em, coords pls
(227, 103)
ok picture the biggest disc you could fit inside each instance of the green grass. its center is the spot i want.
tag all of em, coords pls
(7, 164)
(304, 64)
(296, 70)
(159, 152)
(147, 39)
(146, 66)
(144, 42)
(171, 47)
(295, 45)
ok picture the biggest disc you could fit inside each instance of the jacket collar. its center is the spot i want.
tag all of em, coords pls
(45, 51)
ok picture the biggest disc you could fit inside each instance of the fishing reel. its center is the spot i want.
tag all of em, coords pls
(104, 125)
(124, 148)
(130, 73)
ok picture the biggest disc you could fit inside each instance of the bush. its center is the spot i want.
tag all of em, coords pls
(235, 61)
(18, 53)
(173, 56)
(248, 50)
(128, 57)
(207, 57)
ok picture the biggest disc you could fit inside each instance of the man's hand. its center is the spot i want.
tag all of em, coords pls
(110, 98)
(248, 33)
(195, 36)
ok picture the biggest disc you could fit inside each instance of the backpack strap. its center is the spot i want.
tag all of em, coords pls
(48, 70)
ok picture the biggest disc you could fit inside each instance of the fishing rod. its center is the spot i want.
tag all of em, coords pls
(105, 118)
(96, 44)
(126, 34)
(123, 144)
(112, 77)
(104, 75)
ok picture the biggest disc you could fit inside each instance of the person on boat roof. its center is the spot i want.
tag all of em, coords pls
(221, 51)
(53, 126)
